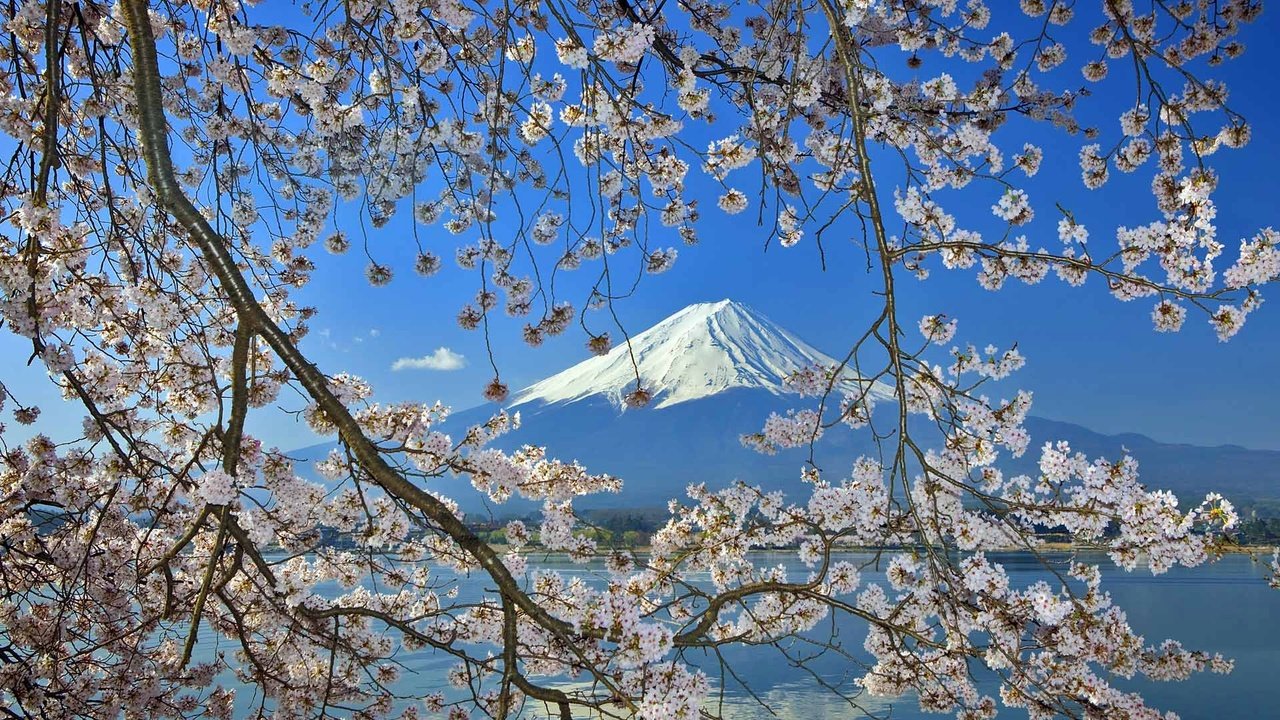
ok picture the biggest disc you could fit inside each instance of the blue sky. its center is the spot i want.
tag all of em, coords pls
(1091, 359)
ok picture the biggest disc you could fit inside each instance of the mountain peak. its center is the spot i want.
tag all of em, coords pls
(702, 350)
(719, 305)
(705, 311)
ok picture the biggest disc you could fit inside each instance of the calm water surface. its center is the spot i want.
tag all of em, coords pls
(1226, 607)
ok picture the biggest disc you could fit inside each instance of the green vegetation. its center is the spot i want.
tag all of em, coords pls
(617, 527)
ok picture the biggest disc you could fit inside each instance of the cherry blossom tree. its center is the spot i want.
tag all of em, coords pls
(174, 169)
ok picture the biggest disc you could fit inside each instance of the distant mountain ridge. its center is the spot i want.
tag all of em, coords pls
(716, 371)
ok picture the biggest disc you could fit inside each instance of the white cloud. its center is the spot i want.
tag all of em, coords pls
(442, 359)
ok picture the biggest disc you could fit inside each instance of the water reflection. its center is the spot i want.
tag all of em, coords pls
(1225, 607)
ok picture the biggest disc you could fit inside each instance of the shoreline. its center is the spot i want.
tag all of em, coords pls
(1047, 547)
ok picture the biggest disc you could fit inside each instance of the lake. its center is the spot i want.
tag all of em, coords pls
(1225, 607)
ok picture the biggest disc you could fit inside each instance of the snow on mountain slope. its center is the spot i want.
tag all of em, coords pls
(702, 350)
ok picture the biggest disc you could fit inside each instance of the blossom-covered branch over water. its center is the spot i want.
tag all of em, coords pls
(177, 171)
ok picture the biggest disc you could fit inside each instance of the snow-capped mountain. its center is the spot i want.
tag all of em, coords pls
(702, 350)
